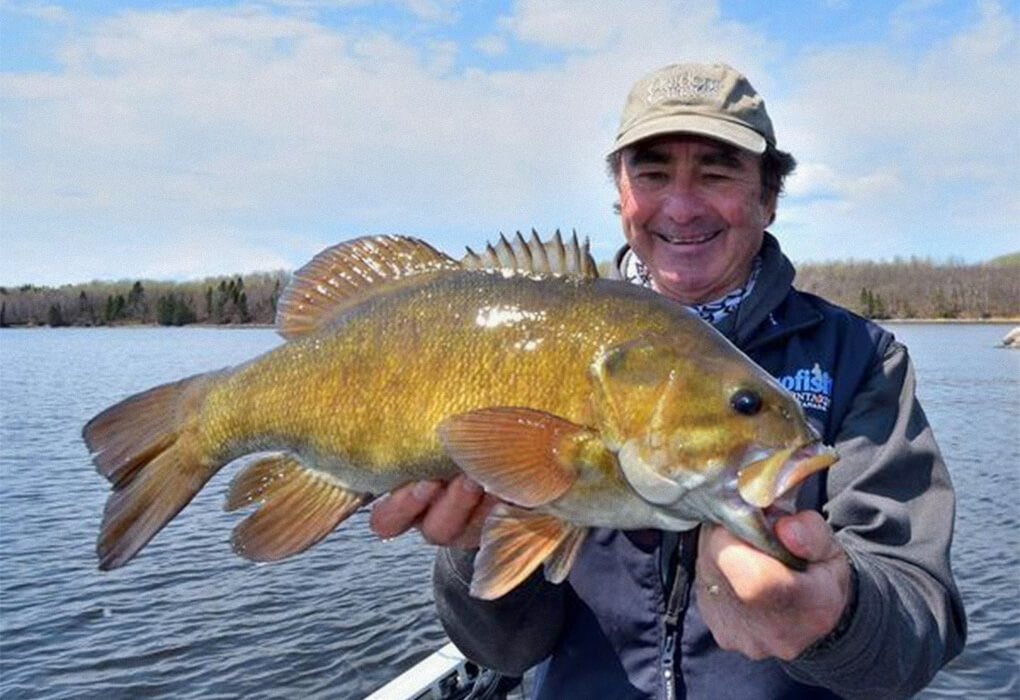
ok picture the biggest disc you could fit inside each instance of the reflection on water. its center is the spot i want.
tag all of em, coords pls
(187, 619)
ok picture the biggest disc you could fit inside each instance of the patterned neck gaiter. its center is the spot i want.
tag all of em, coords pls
(634, 271)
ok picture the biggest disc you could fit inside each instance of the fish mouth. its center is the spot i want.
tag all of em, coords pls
(762, 481)
(747, 499)
(690, 240)
(766, 489)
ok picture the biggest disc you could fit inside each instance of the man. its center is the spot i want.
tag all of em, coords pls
(700, 614)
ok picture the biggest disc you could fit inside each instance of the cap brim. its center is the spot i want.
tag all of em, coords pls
(713, 127)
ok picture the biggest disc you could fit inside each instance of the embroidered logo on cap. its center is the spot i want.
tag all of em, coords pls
(682, 86)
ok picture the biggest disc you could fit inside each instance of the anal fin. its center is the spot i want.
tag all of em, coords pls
(297, 507)
(515, 542)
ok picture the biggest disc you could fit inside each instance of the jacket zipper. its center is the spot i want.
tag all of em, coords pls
(676, 606)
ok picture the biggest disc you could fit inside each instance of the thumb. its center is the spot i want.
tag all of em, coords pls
(807, 535)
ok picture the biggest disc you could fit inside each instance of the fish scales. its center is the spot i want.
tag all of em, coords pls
(579, 402)
(365, 396)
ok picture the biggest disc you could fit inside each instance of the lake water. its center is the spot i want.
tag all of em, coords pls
(188, 619)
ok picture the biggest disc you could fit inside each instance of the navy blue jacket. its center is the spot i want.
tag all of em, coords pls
(628, 625)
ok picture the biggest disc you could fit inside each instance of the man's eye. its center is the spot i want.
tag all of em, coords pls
(651, 176)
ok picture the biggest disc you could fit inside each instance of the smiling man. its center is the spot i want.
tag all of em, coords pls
(700, 614)
(694, 213)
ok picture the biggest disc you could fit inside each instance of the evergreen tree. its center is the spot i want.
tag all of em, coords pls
(183, 313)
(275, 297)
(86, 312)
(242, 308)
(867, 303)
(136, 306)
(55, 317)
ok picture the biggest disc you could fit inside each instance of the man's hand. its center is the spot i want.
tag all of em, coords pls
(449, 514)
(754, 604)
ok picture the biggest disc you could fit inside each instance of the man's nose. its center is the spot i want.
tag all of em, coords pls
(683, 204)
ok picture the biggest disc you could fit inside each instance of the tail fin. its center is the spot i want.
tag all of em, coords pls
(143, 447)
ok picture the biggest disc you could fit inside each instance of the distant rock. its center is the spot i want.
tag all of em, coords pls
(1012, 339)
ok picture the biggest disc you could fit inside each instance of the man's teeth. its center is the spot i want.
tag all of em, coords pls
(688, 241)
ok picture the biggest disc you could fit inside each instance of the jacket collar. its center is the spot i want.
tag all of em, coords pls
(771, 311)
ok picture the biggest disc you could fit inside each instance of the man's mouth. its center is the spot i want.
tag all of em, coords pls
(686, 240)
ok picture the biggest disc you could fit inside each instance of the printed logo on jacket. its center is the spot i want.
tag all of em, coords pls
(812, 387)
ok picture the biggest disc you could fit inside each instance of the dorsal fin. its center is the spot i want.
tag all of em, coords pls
(347, 274)
(534, 257)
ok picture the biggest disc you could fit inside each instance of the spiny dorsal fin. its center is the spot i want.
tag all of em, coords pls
(535, 257)
(347, 274)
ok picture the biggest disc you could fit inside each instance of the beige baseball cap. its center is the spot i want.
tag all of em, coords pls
(711, 100)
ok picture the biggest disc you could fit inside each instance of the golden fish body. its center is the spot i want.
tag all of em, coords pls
(592, 402)
(361, 399)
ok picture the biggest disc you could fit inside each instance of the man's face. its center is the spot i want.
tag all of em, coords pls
(693, 213)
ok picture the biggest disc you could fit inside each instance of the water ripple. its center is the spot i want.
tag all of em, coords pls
(187, 619)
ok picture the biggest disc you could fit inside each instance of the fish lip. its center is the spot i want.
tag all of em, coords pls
(690, 241)
(782, 478)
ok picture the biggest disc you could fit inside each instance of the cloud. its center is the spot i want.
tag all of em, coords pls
(566, 24)
(47, 12)
(202, 253)
(239, 118)
(436, 10)
(913, 18)
(492, 45)
(273, 133)
(433, 10)
(918, 148)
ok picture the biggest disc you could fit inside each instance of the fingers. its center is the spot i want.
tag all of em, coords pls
(743, 571)
(447, 514)
(453, 511)
(754, 604)
(401, 509)
(807, 535)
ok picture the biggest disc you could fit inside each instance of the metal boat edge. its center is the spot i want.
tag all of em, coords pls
(447, 675)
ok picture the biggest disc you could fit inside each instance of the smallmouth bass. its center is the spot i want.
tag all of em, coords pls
(581, 402)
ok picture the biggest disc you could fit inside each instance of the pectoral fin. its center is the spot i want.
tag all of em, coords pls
(515, 542)
(298, 506)
(519, 454)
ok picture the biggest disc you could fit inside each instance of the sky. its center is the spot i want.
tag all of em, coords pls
(176, 140)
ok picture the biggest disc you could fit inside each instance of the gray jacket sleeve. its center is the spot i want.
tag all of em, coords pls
(510, 634)
(892, 506)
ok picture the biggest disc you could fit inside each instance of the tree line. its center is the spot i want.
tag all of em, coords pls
(918, 288)
(914, 288)
(240, 299)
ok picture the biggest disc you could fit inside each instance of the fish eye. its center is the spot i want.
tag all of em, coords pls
(746, 402)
